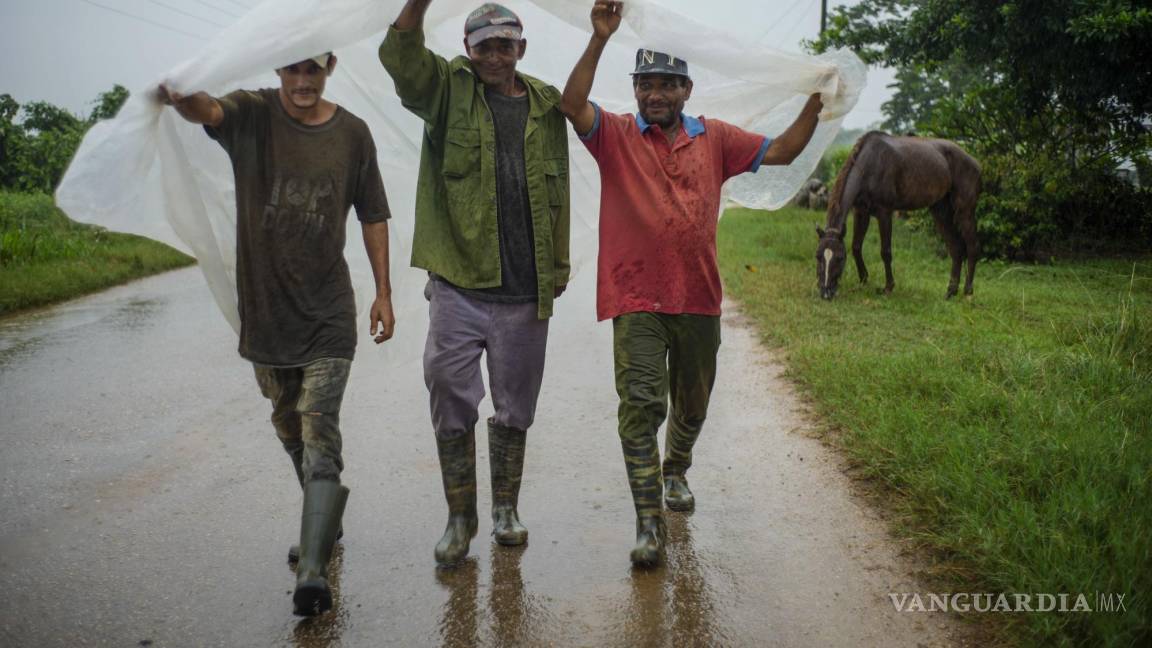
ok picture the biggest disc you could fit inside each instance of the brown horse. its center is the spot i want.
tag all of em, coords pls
(886, 173)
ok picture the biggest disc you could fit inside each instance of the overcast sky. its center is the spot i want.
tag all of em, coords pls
(67, 52)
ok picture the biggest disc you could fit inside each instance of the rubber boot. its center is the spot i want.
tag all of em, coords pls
(651, 537)
(506, 459)
(294, 550)
(642, 461)
(677, 495)
(297, 456)
(458, 471)
(324, 502)
(678, 443)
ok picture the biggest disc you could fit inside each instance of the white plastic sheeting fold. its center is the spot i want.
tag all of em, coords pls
(148, 172)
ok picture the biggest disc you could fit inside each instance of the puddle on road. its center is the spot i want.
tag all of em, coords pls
(489, 604)
(22, 335)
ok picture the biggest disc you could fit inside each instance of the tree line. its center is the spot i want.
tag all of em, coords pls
(38, 139)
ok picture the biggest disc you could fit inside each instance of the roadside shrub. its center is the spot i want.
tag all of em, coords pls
(1035, 208)
(32, 229)
(831, 164)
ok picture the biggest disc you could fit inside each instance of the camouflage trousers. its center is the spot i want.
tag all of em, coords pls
(658, 356)
(306, 413)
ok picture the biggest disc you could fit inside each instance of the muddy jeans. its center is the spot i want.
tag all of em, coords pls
(306, 413)
(460, 328)
(658, 355)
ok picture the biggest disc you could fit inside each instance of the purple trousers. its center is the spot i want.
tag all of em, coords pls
(460, 329)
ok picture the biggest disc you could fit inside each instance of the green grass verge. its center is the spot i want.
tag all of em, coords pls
(1012, 433)
(46, 258)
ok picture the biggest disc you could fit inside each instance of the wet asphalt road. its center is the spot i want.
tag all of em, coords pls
(144, 500)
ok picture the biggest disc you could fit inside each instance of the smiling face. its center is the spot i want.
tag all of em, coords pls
(494, 60)
(830, 257)
(660, 98)
(302, 84)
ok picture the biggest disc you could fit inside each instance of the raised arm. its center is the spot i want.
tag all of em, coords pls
(789, 144)
(421, 77)
(574, 104)
(412, 15)
(199, 108)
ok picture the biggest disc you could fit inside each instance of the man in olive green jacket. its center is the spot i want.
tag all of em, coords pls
(492, 229)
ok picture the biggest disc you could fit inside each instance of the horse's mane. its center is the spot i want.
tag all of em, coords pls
(842, 180)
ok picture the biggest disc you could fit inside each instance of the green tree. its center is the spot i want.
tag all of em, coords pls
(109, 103)
(38, 139)
(11, 139)
(917, 92)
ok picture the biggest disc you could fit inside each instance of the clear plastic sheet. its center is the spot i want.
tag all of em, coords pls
(148, 172)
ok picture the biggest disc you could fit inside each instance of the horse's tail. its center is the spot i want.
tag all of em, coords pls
(836, 208)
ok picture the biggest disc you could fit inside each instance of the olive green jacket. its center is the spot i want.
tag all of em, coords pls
(457, 234)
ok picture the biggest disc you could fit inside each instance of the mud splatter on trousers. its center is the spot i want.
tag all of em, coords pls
(657, 357)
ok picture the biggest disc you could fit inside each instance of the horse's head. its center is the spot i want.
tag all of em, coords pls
(830, 257)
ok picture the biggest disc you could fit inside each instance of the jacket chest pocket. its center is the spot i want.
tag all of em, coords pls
(462, 186)
(461, 153)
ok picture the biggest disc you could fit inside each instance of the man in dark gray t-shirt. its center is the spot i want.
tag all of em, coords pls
(300, 162)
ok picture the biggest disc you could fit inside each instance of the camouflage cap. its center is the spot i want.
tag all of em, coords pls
(491, 20)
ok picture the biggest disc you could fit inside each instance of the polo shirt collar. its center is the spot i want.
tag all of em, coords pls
(692, 126)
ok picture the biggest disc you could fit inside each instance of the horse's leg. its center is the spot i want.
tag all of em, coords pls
(858, 231)
(966, 219)
(884, 217)
(942, 214)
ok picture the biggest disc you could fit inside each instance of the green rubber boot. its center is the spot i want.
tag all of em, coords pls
(506, 459)
(651, 537)
(458, 471)
(324, 502)
(297, 456)
(294, 550)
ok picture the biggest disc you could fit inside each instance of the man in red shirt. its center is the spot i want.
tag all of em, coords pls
(661, 172)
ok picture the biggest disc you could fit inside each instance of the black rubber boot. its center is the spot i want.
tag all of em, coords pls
(324, 502)
(677, 495)
(651, 537)
(506, 459)
(458, 471)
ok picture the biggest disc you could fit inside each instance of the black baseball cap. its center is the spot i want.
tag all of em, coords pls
(652, 62)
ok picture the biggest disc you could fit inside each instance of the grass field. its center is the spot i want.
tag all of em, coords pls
(45, 257)
(1010, 433)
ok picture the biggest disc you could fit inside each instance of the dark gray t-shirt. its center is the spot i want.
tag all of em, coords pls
(514, 212)
(294, 186)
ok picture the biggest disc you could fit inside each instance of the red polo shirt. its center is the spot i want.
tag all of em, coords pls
(659, 205)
